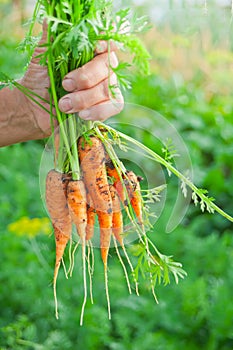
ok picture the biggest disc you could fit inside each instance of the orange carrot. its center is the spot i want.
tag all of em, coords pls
(105, 223)
(117, 230)
(92, 157)
(56, 187)
(90, 218)
(117, 180)
(134, 192)
(117, 219)
(77, 202)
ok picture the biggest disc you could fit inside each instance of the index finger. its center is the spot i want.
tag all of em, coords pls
(91, 74)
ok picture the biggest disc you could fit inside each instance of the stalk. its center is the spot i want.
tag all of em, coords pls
(30, 94)
(173, 170)
(34, 17)
(73, 139)
(55, 10)
(55, 100)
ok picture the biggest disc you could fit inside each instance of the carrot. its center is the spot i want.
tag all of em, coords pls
(117, 230)
(56, 187)
(136, 202)
(117, 180)
(105, 223)
(134, 192)
(92, 157)
(90, 218)
(77, 202)
(117, 220)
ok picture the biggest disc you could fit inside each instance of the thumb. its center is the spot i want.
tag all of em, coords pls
(41, 48)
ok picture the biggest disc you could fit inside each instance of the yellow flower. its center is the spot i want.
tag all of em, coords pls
(30, 227)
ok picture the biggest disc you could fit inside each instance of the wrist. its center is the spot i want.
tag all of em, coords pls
(17, 121)
(32, 110)
(36, 80)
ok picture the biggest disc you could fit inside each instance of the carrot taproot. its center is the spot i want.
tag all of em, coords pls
(56, 189)
(91, 214)
(77, 202)
(117, 179)
(92, 158)
(117, 230)
(117, 219)
(105, 224)
(134, 192)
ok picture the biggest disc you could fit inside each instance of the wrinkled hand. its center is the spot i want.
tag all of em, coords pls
(87, 88)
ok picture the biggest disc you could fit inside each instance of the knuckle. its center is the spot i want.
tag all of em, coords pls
(85, 77)
(105, 89)
(79, 102)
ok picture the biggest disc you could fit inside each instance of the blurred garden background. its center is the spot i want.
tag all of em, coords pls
(191, 85)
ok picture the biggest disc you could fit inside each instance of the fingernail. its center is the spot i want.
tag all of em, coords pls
(85, 114)
(65, 104)
(68, 84)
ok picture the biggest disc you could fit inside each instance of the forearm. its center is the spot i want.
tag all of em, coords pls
(17, 122)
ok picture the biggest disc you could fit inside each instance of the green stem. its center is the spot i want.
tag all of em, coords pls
(74, 163)
(34, 100)
(88, 124)
(34, 17)
(169, 166)
(29, 93)
(73, 139)
(27, 343)
(55, 99)
(120, 170)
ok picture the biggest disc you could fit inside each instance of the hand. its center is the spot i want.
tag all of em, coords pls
(87, 87)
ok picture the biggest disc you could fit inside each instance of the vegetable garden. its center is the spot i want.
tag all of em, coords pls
(188, 91)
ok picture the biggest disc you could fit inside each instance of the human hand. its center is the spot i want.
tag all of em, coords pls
(87, 87)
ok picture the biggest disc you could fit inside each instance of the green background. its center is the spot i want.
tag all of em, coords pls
(191, 85)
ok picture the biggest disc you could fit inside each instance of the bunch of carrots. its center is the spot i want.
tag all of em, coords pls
(88, 181)
(100, 190)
